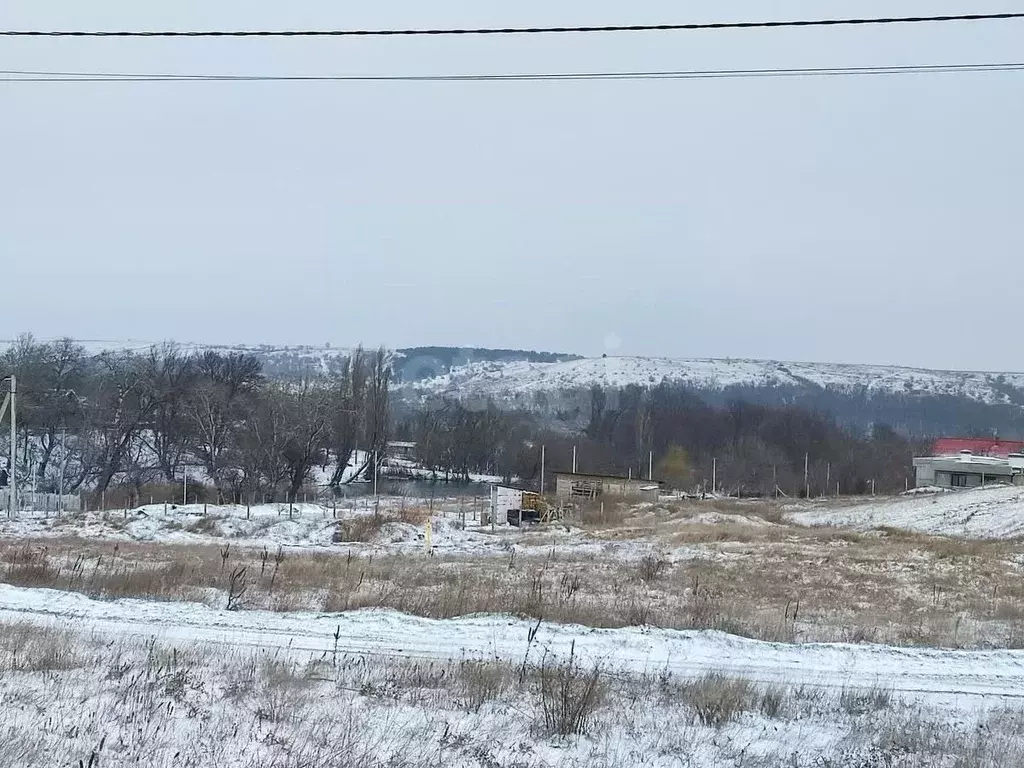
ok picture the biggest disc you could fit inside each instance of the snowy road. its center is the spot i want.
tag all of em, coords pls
(977, 674)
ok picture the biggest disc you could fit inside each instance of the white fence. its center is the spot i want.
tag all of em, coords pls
(40, 502)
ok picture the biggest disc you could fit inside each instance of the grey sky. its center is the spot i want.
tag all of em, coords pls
(844, 219)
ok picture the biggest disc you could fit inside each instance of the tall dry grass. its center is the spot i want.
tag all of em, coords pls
(143, 702)
(763, 580)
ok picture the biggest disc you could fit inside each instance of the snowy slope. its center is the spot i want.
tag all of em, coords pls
(635, 650)
(522, 380)
(981, 513)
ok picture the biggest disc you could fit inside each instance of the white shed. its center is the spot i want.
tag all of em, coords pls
(504, 499)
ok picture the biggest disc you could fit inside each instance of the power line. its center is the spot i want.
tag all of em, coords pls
(518, 30)
(35, 76)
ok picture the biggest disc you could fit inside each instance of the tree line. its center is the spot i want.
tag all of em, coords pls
(138, 418)
(743, 448)
(89, 421)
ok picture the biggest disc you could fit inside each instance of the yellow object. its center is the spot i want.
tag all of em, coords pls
(534, 501)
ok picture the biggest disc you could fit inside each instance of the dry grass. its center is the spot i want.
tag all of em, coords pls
(144, 703)
(805, 585)
(717, 700)
(746, 575)
(590, 514)
(26, 647)
(368, 528)
(569, 695)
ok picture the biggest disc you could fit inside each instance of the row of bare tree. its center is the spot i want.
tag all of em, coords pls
(88, 421)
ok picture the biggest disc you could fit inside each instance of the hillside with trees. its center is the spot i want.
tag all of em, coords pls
(134, 418)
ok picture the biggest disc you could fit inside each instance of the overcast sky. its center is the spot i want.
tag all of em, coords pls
(860, 219)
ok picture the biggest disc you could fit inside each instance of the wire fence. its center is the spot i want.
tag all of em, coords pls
(41, 502)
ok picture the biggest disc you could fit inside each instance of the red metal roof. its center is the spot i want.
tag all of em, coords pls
(982, 446)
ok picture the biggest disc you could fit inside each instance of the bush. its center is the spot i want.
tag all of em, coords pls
(652, 567)
(569, 695)
(862, 702)
(366, 528)
(717, 699)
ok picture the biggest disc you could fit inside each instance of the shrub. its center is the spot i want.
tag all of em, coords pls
(569, 695)
(862, 702)
(652, 567)
(717, 699)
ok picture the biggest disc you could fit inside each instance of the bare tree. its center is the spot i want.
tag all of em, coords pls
(348, 393)
(172, 377)
(123, 405)
(308, 414)
(376, 410)
(219, 404)
(256, 454)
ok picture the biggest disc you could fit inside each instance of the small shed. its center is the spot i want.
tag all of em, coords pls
(504, 499)
(401, 449)
(577, 485)
(513, 506)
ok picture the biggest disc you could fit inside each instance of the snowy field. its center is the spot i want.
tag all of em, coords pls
(994, 512)
(138, 683)
(344, 527)
(681, 633)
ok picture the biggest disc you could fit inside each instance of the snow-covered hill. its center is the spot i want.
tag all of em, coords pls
(526, 382)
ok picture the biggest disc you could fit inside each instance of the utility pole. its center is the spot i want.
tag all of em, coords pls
(12, 498)
(63, 467)
(376, 498)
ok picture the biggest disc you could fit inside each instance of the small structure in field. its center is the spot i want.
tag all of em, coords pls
(513, 506)
(401, 449)
(577, 485)
(968, 470)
